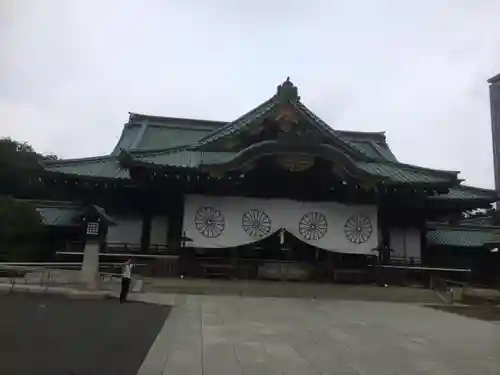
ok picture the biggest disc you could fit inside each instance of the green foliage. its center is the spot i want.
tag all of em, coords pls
(20, 169)
(20, 230)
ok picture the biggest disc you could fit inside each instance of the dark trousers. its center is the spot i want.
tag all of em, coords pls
(125, 289)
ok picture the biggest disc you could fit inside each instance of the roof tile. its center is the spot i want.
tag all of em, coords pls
(457, 237)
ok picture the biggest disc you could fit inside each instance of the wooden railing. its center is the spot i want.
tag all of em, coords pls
(135, 248)
(42, 274)
(156, 265)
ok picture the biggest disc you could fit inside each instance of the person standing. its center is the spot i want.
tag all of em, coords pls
(126, 279)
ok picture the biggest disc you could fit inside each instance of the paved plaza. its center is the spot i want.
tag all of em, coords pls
(218, 335)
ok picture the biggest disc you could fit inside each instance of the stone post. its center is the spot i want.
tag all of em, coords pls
(90, 265)
(95, 226)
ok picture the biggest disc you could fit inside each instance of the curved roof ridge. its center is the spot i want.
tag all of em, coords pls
(229, 125)
(301, 107)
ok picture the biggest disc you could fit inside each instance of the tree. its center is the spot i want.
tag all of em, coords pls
(20, 169)
(20, 229)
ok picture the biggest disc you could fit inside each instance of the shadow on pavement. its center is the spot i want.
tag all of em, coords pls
(43, 334)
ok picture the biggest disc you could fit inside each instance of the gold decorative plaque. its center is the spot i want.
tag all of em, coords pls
(295, 163)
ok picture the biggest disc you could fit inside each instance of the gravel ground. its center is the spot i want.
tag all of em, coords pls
(51, 335)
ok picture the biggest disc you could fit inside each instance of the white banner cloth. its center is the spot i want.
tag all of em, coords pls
(217, 222)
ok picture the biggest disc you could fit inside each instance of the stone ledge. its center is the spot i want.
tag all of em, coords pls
(68, 292)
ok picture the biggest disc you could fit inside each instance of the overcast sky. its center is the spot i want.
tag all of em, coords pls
(71, 70)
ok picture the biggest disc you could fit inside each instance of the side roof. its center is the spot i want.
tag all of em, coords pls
(466, 192)
(59, 213)
(145, 132)
(463, 236)
(101, 167)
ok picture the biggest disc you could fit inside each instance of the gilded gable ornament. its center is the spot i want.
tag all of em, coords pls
(287, 117)
(287, 92)
(295, 163)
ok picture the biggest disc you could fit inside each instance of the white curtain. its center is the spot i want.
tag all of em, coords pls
(214, 222)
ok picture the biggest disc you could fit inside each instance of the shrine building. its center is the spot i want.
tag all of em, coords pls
(276, 193)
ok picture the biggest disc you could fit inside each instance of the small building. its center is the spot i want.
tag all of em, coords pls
(466, 246)
(276, 193)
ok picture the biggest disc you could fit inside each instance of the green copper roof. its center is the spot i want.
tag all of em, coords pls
(185, 158)
(59, 214)
(59, 217)
(67, 214)
(127, 138)
(145, 132)
(177, 142)
(395, 172)
(404, 173)
(463, 236)
(156, 138)
(464, 192)
(99, 167)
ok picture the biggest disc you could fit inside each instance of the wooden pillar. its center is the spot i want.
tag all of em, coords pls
(385, 241)
(146, 231)
(175, 233)
(424, 251)
(175, 218)
(234, 262)
(329, 266)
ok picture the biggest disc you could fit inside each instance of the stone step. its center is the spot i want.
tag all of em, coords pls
(291, 289)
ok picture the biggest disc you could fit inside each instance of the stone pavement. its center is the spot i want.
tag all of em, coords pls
(218, 335)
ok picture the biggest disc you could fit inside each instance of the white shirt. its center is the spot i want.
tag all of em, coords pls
(127, 271)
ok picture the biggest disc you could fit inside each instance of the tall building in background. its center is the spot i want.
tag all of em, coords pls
(495, 126)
